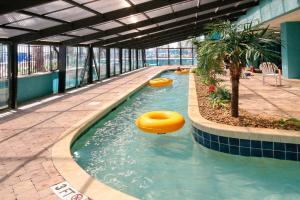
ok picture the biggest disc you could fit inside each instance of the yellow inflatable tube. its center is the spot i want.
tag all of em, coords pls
(183, 71)
(160, 82)
(160, 122)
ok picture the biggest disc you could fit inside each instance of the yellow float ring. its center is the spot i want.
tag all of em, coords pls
(160, 122)
(183, 71)
(160, 82)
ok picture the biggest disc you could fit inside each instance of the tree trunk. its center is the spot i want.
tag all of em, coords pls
(235, 72)
(235, 97)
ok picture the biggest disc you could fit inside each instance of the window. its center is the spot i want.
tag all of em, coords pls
(4, 84)
(151, 58)
(174, 56)
(162, 56)
(117, 62)
(187, 56)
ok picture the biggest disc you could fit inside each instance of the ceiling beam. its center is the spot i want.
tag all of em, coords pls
(166, 17)
(89, 21)
(190, 31)
(179, 29)
(186, 22)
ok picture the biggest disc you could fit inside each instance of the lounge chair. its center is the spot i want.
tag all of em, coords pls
(269, 69)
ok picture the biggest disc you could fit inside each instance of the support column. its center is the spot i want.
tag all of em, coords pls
(121, 60)
(290, 49)
(192, 55)
(156, 56)
(62, 65)
(90, 65)
(137, 58)
(144, 57)
(108, 62)
(180, 54)
(168, 56)
(13, 74)
(129, 59)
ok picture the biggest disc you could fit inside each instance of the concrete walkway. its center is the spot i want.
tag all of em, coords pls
(277, 101)
(27, 135)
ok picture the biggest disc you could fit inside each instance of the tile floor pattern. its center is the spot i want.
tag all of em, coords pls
(278, 101)
(27, 136)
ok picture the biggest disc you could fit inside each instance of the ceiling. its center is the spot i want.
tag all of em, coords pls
(119, 23)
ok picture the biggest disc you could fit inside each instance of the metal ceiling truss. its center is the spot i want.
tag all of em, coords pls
(89, 21)
(238, 8)
(174, 26)
(164, 18)
(186, 28)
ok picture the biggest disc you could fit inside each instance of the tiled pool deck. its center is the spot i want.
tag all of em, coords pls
(277, 101)
(28, 135)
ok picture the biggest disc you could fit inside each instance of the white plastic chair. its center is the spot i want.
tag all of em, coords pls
(269, 69)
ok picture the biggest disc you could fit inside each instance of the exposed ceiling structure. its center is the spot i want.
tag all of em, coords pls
(112, 23)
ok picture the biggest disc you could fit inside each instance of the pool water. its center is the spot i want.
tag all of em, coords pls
(173, 166)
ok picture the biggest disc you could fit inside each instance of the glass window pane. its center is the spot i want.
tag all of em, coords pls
(103, 72)
(133, 19)
(108, 37)
(82, 69)
(147, 27)
(12, 17)
(159, 12)
(7, 33)
(34, 23)
(96, 68)
(184, 5)
(162, 57)
(49, 7)
(71, 14)
(4, 84)
(186, 44)
(133, 59)
(107, 25)
(174, 45)
(112, 62)
(108, 5)
(151, 57)
(186, 56)
(117, 62)
(174, 56)
(56, 38)
(71, 72)
(128, 32)
(81, 32)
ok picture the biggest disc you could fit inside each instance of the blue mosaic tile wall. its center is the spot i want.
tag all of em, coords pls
(255, 148)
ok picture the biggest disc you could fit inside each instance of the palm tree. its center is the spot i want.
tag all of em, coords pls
(235, 45)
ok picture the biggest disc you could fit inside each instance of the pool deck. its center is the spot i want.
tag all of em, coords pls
(29, 133)
(277, 101)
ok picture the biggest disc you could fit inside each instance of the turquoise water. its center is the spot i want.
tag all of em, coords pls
(173, 166)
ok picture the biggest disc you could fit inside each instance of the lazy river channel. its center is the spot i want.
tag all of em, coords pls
(173, 166)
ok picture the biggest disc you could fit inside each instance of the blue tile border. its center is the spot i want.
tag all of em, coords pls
(254, 148)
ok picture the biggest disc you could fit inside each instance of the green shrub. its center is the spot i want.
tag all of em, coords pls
(220, 98)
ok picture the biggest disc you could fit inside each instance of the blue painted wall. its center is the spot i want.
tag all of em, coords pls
(35, 86)
(290, 37)
(269, 9)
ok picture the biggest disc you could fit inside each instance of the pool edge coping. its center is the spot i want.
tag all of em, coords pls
(248, 133)
(69, 169)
